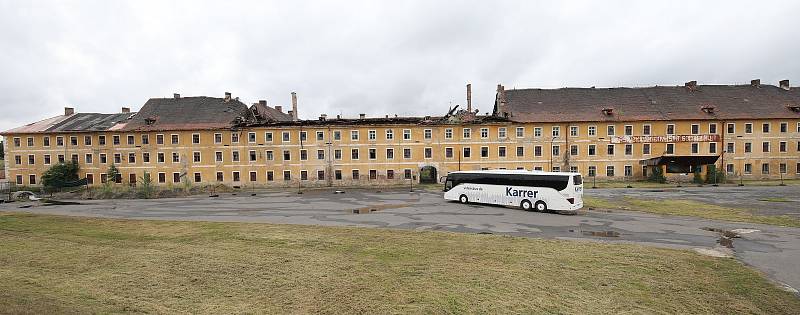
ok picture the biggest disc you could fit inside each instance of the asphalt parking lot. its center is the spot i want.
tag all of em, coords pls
(771, 249)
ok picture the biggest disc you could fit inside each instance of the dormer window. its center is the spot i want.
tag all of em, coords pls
(150, 120)
(708, 109)
(794, 108)
(608, 111)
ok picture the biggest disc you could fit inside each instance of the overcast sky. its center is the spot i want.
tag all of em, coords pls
(375, 57)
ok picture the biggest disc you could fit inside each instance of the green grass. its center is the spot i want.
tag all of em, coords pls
(775, 199)
(53, 264)
(689, 208)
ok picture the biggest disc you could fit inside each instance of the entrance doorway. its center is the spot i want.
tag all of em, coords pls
(427, 175)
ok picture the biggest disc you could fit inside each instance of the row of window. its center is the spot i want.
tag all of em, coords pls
(406, 134)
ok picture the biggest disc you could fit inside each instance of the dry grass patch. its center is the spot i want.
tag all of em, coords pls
(53, 264)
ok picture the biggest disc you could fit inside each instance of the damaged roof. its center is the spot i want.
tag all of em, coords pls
(187, 113)
(269, 114)
(74, 123)
(691, 102)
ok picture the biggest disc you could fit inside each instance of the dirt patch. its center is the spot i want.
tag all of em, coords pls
(375, 208)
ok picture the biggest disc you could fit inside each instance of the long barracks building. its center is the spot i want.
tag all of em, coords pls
(750, 130)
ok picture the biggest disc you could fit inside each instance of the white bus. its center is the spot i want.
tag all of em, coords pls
(529, 190)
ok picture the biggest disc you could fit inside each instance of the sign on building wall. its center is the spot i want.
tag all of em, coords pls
(665, 139)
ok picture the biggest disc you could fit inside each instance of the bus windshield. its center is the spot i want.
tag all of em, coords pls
(577, 180)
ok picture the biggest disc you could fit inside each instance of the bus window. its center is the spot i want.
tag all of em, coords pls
(577, 180)
(448, 185)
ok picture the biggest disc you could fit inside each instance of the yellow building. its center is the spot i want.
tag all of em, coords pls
(752, 131)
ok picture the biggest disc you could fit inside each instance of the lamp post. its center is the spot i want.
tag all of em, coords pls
(551, 152)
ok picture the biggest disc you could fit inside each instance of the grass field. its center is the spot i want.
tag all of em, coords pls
(53, 264)
(690, 208)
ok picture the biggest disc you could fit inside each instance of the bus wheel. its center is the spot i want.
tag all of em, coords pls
(526, 205)
(541, 206)
(463, 199)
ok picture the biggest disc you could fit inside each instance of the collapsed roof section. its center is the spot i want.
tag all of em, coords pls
(688, 102)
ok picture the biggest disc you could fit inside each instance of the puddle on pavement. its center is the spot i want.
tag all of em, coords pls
(725, 236)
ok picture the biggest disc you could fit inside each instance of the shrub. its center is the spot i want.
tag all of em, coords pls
(146, 189)
(657, 175)
(61, 175)
(713, 176)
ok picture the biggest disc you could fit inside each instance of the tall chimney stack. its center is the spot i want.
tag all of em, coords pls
(279, 108)
(68, 111)
(294, 106)
(262, 102)
(755, 83)
(469, 97)
(784, 84)
(176, 95)
(227, 96)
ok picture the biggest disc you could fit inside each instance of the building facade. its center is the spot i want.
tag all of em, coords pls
(749, 131)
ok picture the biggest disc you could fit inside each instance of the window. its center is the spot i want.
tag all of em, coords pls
(448, 153)
(47, 159)
(287, 155)
(131, 158)
(765, 146)
(484, 152)
(556, 150)
(197, 178)
(218, 156)
(782, 146)
(303, 155)
(303, 136)
(372, 154)
(467, 152)
(748, 147)
(501, 152)
(46, 141)
(537, 132)
(592, 131)
(428, 153)
(646, 130)
(145, 139)
(235, 156)
(695, 129)
(695, 148)
(73, 141)
(748, 168)
(782, 168)
(252, 155)
(286, 136)
(467, 133)
(60, 158)
(645, 148)
(60, 141)
(765, 127)
(355, 174)
(117, 158)
(103, 158)
(389, 174)
(573, 131)
(484, 133)
(537, 150)
(320, 175)
(89, 178)
(337, 154)
(610, 130)
(130, 140)
(448, 133)
(320, 136)
(371, 135)
(406, 134)
(628, 130)
(592, 150)
(236, 176)
(87, 140)
(31, 159)
(268, 136)
(373, 174)
(217, 138)
(251, 138)
(556, 131)
(428, 134)
(573, 150)
(520, 151)
(712, 147)
(234, 137)
(407, 174)
(354, 135)
(116, 140)
(270, 155)
(731, 128)
(764, 168)
(19, 179)
(176, 177)
(670, 148)
(610, 171)
(670, 129)
(555, 168)
(270, 176)
(146, 157)
(520, 132)
(784, 127)
(628, 149)
(354, 154)
(337, 174)
(748, 128)
(406, 153)
(610, 149)
(389, 154)
(337, 135)
(389, 134)
(32, 179)
(174, 138)
(730, 148)
(159, 139)
(712, 128)
(592, 172)
(573, 169)
(74, 158)
(220, 176)
(303, 175)
(729, 168)
(196, 138)
(628, 169)
(175, 157)
(320, 154)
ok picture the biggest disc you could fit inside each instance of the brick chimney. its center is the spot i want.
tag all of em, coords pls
(68, 111)
(784, 84)
(176, 95)
(279, 108)
(227, 96)
(294, 106)
(126, 110)
(263, 102)
(469, 97)
(362, 116)
(691, 85)
(755, 83)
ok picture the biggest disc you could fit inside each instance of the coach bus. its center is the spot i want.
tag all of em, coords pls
(529, 190)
